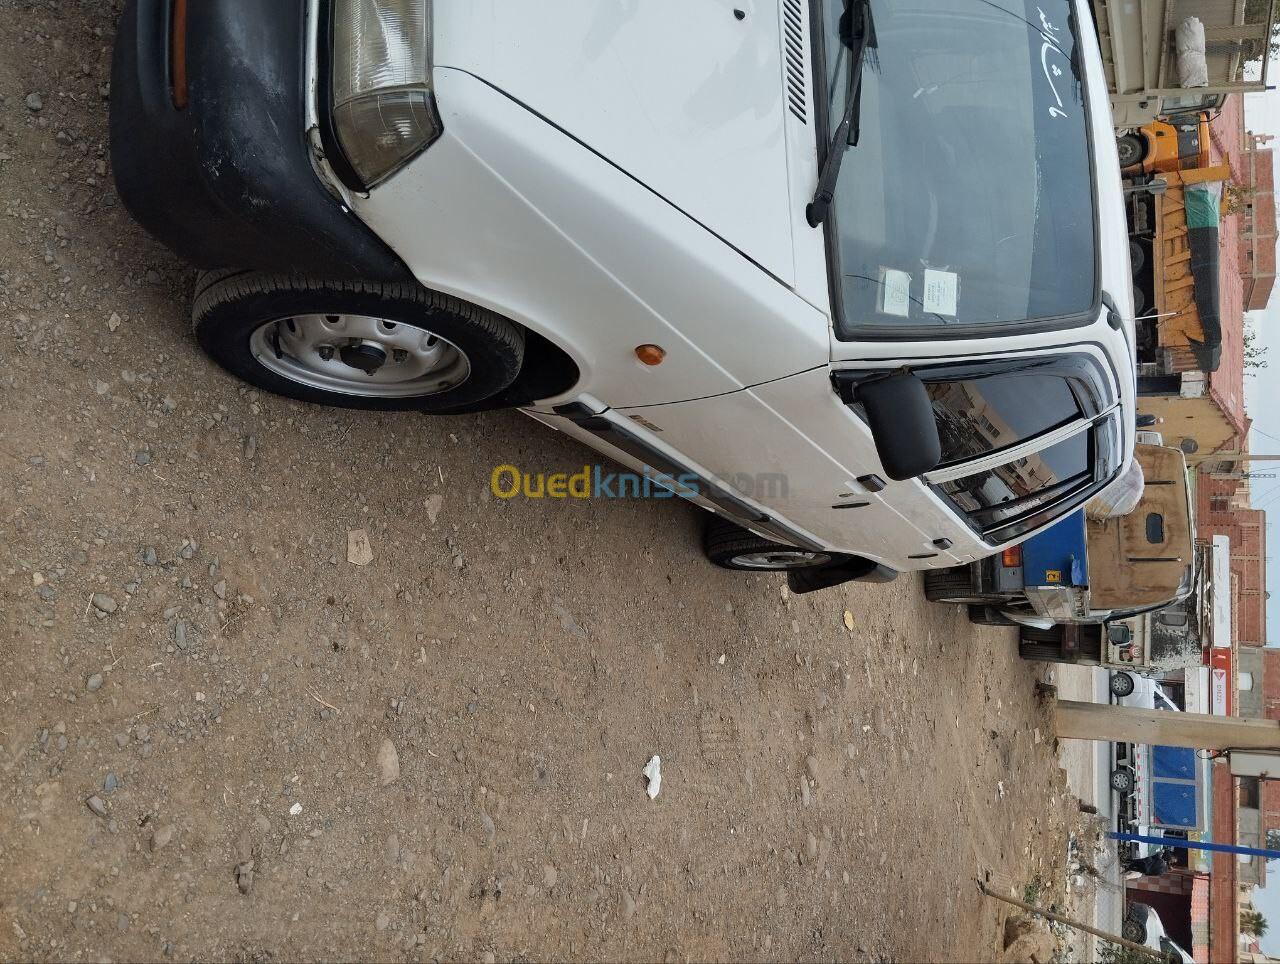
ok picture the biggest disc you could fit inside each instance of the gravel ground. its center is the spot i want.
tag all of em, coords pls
(221, 740)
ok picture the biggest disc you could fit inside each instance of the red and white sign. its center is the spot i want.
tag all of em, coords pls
(1219, 705)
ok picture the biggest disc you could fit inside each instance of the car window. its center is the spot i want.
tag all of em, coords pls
(997, 495)
(984, 414)
(968, 199)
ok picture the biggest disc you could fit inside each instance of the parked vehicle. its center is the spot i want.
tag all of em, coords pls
(1087, 570)
(1175, 261)
(1171, 58)
(876, 320)
(1142, 926)
(1166, 640)
(1166, 147)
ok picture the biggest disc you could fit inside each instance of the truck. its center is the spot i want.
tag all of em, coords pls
(1088, 569)
(1166, 146)
(755, 254)
(1173, 58)
(1173, 242)
(1164, 640)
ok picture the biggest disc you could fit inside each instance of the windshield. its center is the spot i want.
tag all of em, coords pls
(968, 199)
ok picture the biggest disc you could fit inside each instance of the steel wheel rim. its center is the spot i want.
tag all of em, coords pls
(781, 559)
(359, 355)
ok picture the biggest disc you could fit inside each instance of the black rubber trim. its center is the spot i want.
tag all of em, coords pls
(657, 460)
(229, 182)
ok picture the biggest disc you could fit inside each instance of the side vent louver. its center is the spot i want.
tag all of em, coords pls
(793, 30)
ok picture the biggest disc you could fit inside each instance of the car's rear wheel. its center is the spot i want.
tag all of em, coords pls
(1122, 684)
(355, 344)
(730, 546)
(1131, 930)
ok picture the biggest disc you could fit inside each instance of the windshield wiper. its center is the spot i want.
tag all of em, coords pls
(862, 37)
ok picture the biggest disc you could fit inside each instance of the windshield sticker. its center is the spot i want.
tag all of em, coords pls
(1052, 72)
(895, 288)
(941, 292)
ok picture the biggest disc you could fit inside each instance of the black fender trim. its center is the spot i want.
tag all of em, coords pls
(228, 181)
(853, 569)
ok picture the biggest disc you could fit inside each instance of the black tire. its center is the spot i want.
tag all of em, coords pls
(1121, 684)
(1122, 780)
(1139, 301)
(988, 616)
(1053, 637)
(729, 546)
(1131, 930)
(954, 585)
(1137, 257)
(231, 305)
(1132, 149)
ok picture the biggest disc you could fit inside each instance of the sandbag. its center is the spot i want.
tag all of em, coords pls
(1193, 66)
(1119, 498)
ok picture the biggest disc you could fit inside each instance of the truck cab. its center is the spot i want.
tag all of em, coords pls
(1167, 145)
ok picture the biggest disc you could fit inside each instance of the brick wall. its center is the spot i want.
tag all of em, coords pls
(1246, 528)
(1258, 228)
(1223, 910)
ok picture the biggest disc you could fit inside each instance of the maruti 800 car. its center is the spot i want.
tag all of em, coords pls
(854, 271)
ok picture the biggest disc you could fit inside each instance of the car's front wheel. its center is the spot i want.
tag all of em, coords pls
(730, 546)
(355, 344)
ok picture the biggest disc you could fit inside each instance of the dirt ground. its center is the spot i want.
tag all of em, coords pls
(195, 684)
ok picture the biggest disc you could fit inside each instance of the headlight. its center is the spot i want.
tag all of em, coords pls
(383, 110)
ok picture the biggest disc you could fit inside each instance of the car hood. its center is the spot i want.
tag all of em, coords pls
(682, 95)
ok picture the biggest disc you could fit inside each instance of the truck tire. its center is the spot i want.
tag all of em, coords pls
(1132, 149)
(1122, 780)
(954, 585)
(1139, 301)
(1137, 257)
(988, 616)
(1039, 652)
(1131, 930)
(353, 344)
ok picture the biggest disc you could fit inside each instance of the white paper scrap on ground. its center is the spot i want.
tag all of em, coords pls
(941, 292)
(653, 773)
(359, 552)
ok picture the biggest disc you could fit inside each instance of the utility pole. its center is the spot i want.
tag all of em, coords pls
(1199, 731)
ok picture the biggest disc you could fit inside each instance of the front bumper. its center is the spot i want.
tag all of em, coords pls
(228, 181)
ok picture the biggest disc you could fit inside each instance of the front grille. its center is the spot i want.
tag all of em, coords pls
(793, 35)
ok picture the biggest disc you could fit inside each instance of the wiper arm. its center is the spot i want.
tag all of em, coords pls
(863, 33)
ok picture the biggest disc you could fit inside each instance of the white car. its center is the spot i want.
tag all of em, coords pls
(1142, 925)
(851, 274)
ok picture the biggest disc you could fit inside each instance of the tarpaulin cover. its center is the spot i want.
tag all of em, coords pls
(1203, 206)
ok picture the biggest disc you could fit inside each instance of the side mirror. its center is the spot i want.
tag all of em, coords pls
(900, 415)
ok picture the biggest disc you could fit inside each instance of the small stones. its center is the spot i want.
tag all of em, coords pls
(35, 103)
(97, 806)
(93, 683)
(142, 457)
(388, 763)
(111, 784)
(104, 603)
(148, 556)
(220, 589)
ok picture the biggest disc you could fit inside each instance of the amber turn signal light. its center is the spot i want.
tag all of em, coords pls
(650, 354)
(1011, 558)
